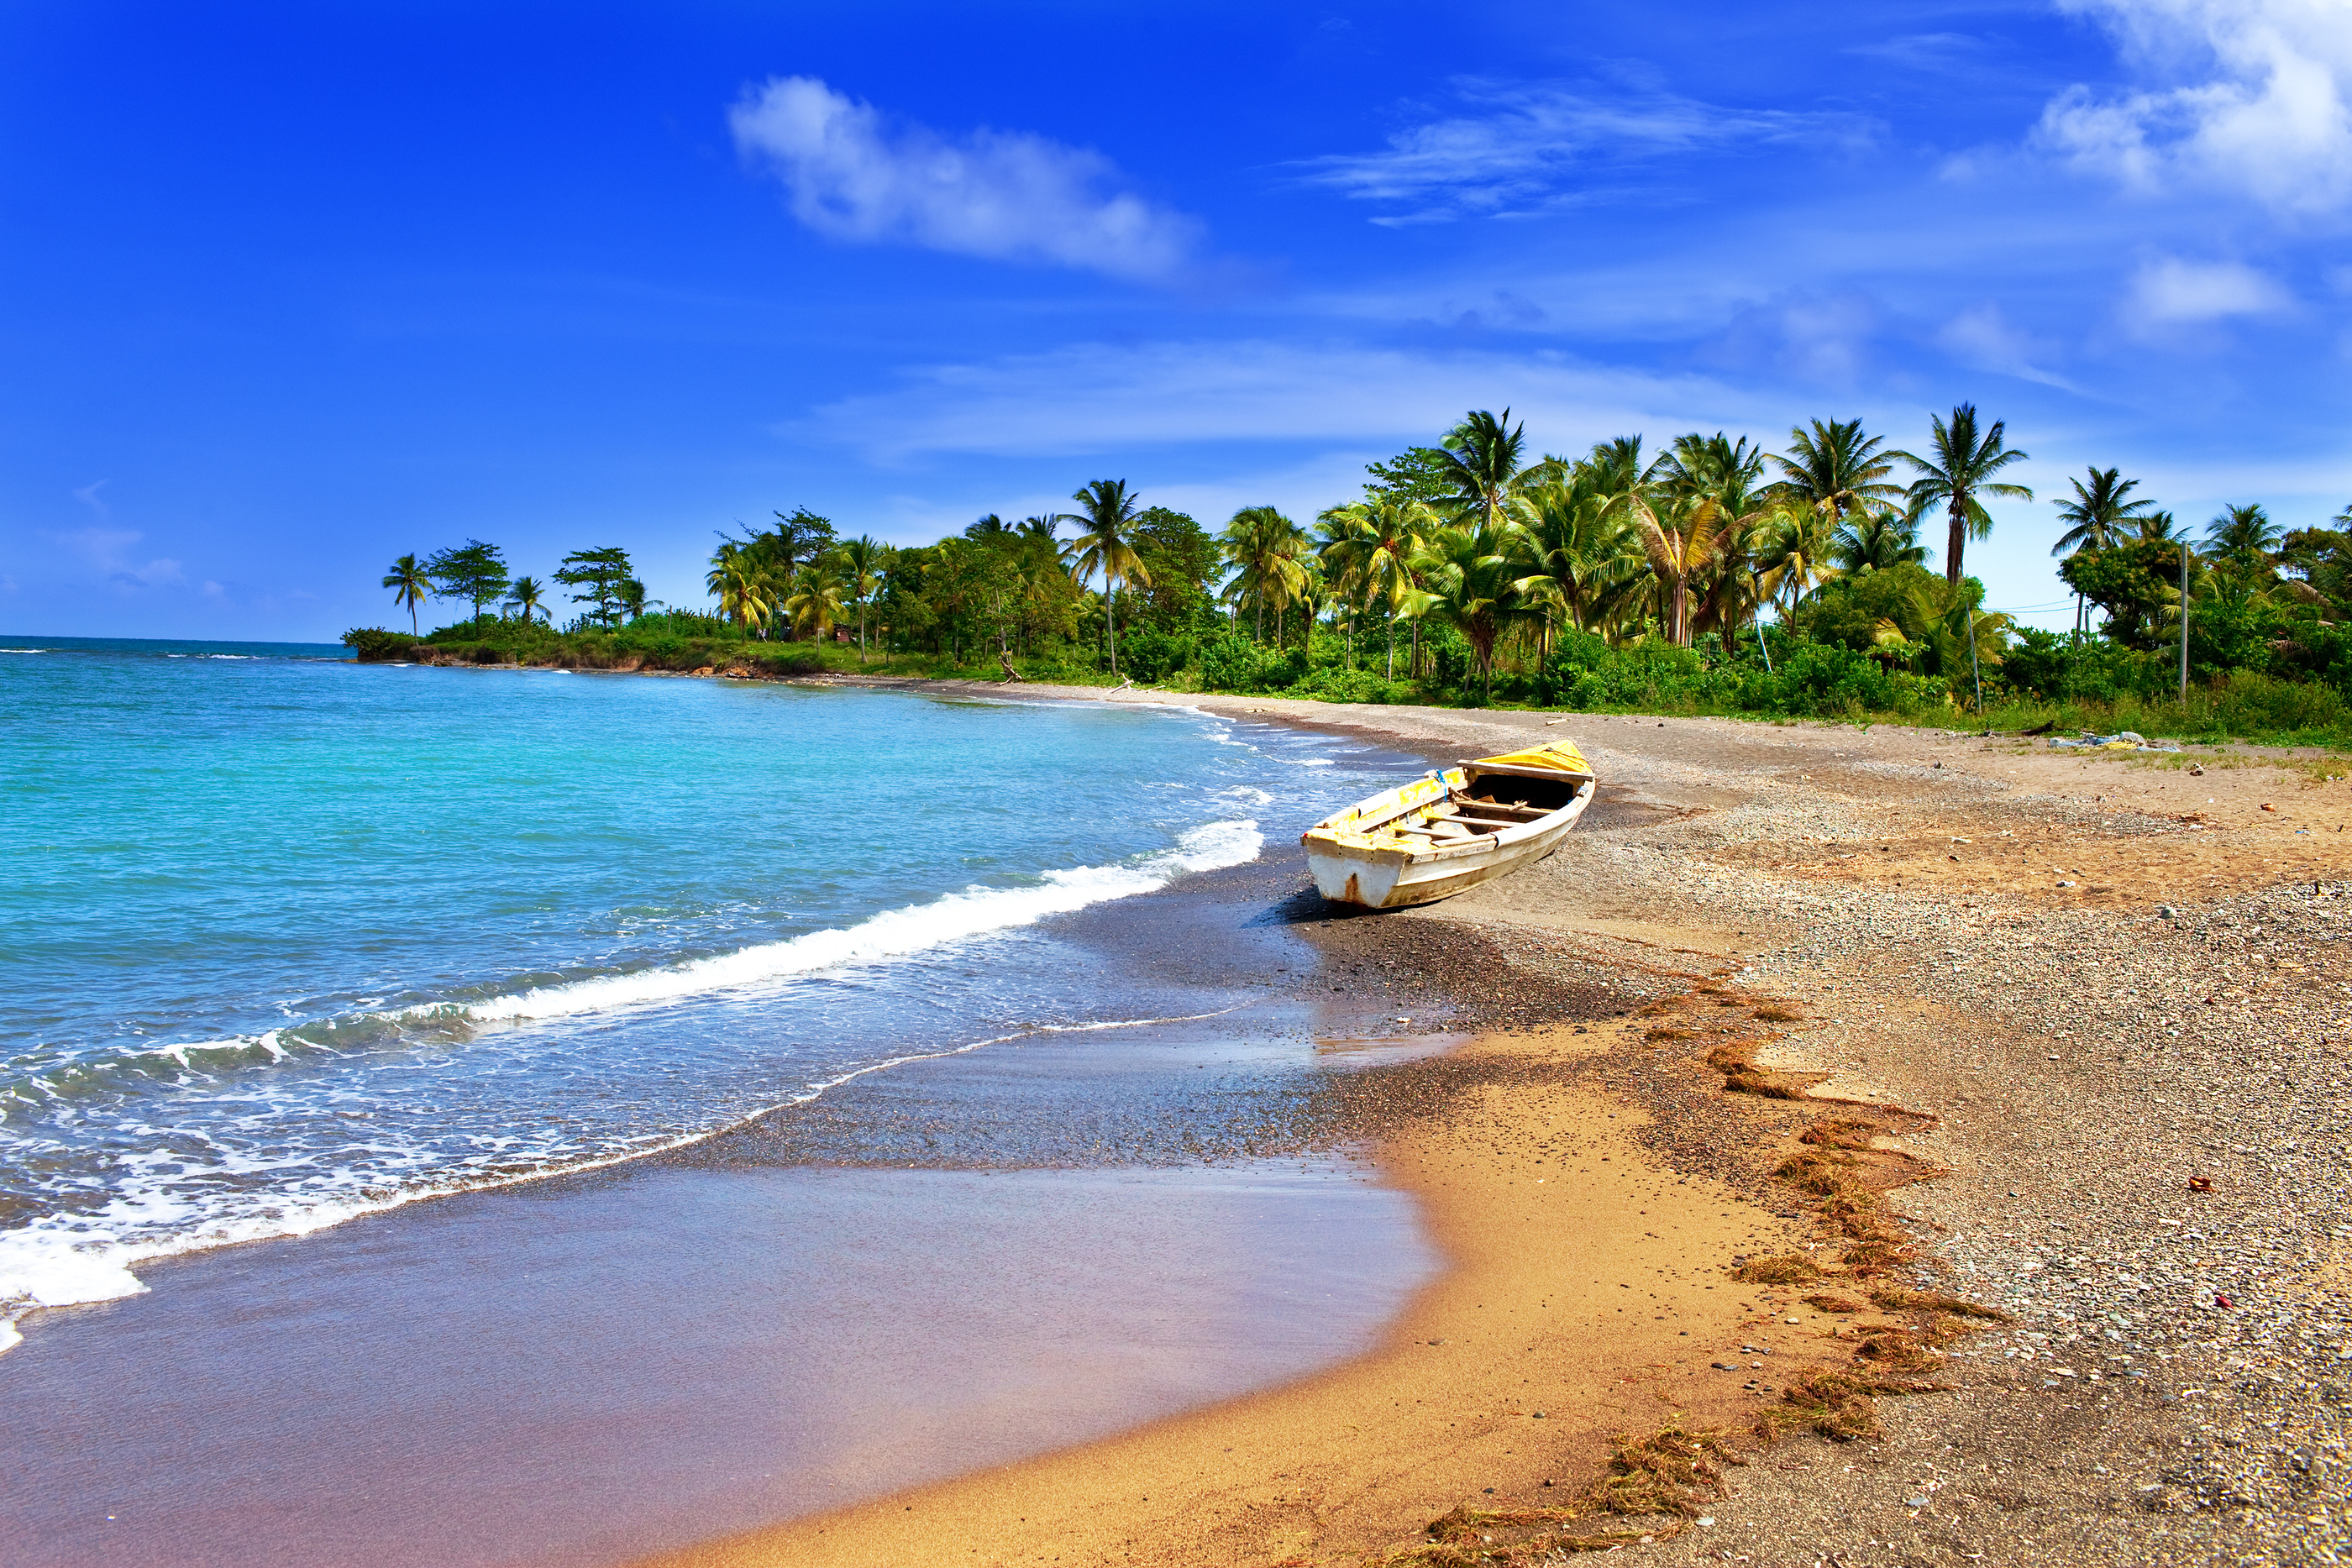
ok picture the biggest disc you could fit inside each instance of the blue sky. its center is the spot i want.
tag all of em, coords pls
(289, 290)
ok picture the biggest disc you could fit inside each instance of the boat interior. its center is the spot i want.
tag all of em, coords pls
(1488, 803)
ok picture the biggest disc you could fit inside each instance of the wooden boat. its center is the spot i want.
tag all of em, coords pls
(1446, 831)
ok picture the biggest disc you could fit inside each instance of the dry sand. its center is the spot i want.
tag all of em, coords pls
(1966, 927)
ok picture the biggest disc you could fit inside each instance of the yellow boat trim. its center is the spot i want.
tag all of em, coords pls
(1560, 756)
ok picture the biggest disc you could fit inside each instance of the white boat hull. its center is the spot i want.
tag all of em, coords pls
(1349, 868)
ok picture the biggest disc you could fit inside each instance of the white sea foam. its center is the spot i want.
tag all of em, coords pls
(68, 1260)
(1314, 762)
(27, 649)
(62, 1262)
(894, 934)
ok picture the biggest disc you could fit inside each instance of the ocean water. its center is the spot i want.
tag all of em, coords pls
(285, 940)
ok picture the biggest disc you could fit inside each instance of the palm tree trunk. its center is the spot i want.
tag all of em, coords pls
(1392, 674)
(1110, 621)
(1958, 539)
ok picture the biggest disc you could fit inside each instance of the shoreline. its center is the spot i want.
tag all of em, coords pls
(1744, 846)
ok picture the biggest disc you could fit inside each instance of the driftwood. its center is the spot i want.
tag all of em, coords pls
(1005, 659)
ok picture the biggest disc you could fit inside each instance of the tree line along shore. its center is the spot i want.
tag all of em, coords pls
(1711, 577)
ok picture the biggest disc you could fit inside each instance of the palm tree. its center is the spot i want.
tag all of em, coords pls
(409, 586)
(2098, 513)
(1267, 547)
(1480, 464)
(1470, 575)
(1836, 470)
(1688, 537)
(2096, 517)
(816, 602)
(740, 580)
(1875, 541)
(2244, 534)
(1959, 468)
(865, 559)
(2157, 526)
(1795, 553)
(1105, 545)
(1372, 545)
(1730, 472)
(525, 594)
(1585, 546)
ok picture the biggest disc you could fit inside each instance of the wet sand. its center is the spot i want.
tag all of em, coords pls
(2089, 973)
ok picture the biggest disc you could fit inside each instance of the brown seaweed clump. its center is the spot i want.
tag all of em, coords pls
(1781, 1269)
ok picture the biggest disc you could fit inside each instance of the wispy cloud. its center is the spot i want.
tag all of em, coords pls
(1007, 195)
(1982, 337)
(1519, 149)
(2251, 97)
(1118, 400)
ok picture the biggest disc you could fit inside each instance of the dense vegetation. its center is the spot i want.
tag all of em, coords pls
(1711, 577)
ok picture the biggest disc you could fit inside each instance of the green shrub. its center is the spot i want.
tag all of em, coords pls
(374, 645)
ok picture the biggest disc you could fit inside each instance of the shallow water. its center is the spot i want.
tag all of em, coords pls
(285, 939)
(583, 1371)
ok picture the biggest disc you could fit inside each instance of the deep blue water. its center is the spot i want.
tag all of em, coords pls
(285, 939)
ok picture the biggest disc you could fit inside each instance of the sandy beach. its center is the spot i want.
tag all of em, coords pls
(2065, 1034)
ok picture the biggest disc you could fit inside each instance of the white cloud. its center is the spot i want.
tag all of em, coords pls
(1528, 147)
(1007, 195)
(2169, 291)
(1117, 401)
(2258, 100)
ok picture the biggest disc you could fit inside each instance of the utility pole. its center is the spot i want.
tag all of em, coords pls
(2184, 622)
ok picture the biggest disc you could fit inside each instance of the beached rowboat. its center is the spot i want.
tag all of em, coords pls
(1446, 831)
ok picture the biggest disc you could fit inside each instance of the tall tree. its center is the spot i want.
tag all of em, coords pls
(2096, 518)
(1416, 474)
(2098, 514)
(815, 605)
(799, 536)
(2244, 536)
(1371, 547)
(527, 597)
(1682, 536)
(601, 573)
(1877, 541)
(1586, 545)
(1105, 521)
(738, 580)
(1267, 549)
(1958, 469)
(1184, 563)
(1482, 472)
(863, 561)
(473, 571)
(1836, 470)
(410, 585)
(1470, 572)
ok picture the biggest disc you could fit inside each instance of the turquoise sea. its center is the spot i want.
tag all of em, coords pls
(285, 940)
